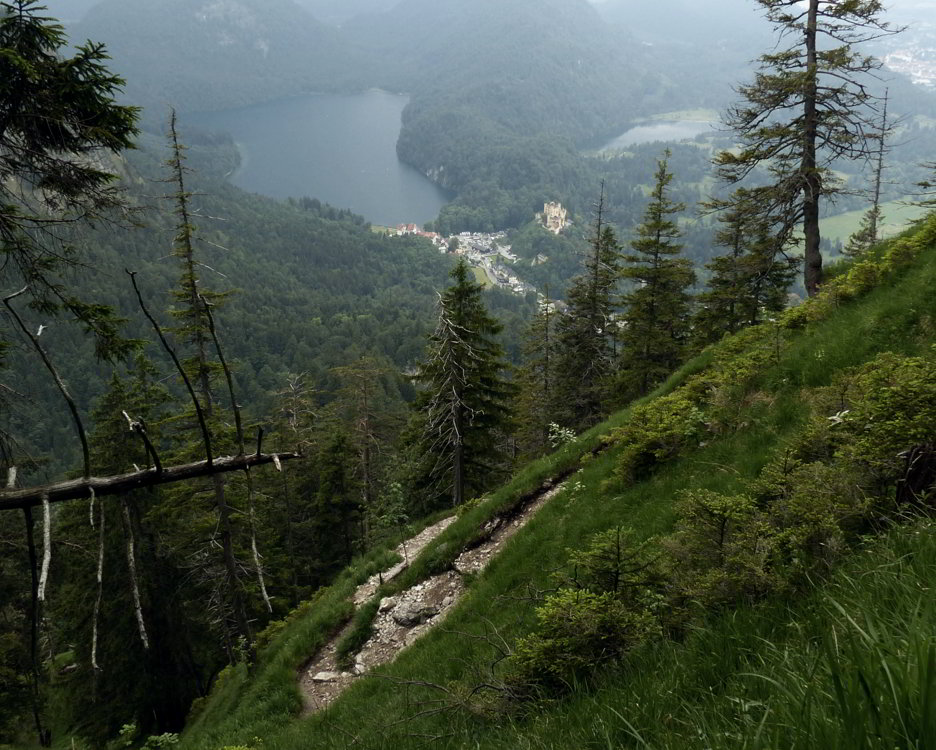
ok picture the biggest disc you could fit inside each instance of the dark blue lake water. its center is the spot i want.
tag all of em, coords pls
(340, 149)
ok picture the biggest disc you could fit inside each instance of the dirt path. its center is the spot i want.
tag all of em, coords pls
(403, 619)
(408, 550)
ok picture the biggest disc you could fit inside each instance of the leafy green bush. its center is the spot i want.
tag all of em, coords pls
(720, 552)
(893, 410)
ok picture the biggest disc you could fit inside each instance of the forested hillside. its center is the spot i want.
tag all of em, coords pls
(721, 551)
(312, 288)
(213, 55)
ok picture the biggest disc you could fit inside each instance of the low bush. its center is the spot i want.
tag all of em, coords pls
(578, 629)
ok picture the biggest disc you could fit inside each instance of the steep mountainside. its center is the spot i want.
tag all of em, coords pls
(727, 497)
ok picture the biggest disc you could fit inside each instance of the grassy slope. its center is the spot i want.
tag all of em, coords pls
(698, 693)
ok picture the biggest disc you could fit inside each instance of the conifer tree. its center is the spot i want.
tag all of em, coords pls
(134, 630)
(536, 380)
(338, 501)
(584, 331)
(657, 312)
(867, 234)
(295, 420)
(194, 328)
(751, 279)
(467, 396)
(371, 426)
(807, 107)
(58, 118)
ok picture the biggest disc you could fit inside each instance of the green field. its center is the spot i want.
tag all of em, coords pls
(896, 216)
(481, 277)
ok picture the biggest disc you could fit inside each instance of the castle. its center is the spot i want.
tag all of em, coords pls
(555, 217)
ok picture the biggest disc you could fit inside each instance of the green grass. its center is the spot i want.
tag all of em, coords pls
(848, 665)
(482, 277)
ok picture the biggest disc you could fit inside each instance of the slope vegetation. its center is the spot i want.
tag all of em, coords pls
(759, 655)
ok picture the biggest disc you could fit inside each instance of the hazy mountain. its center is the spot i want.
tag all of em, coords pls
(337, 12)
(712, 21)
(550, 65)
(208, 54)
(69, 10)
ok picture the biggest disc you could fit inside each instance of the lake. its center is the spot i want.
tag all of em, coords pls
(338, 148)
(663, 130)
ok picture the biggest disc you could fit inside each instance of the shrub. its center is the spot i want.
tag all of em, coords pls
(614, 563)
(578, 630)
(721, 549)
(656, 432)
(893, 410)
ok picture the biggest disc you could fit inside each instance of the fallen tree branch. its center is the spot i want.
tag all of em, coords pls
(121, 483)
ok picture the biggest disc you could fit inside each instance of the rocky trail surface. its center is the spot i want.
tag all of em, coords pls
(404, 618)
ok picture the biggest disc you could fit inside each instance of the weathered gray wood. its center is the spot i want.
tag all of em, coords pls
(115, 485)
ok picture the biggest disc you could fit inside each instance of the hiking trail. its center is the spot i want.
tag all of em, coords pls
(402, 619)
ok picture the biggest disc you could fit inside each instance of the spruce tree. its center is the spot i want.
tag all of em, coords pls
(293, 430)
(656, 313)
(536, 381)
(467, 397)
(748, 281)
(866, 235)
(809, 105)
(59, 121)
(584, 332)
(372, 422)
(868, 231)
(194, 328)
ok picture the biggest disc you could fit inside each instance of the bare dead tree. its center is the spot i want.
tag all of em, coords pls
(134, 579)
(120, 484)
(239, 428)
(95, 667)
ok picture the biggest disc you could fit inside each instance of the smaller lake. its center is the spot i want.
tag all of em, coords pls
(338, 148)
(662, 130)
